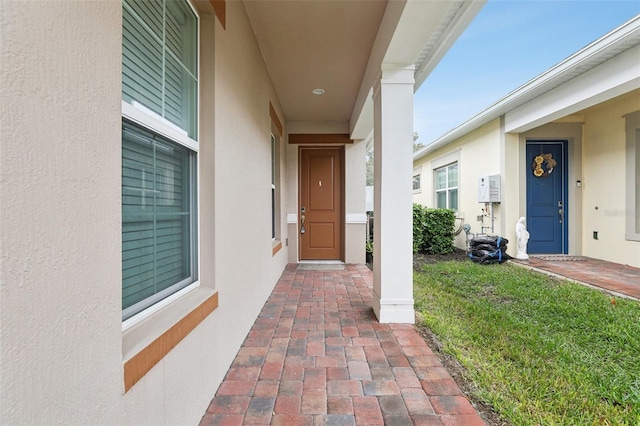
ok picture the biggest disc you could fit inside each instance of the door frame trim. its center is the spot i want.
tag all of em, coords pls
(342, 197)
(564, 142)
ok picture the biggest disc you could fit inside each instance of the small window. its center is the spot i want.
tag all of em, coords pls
(417, 175)
(447, 187)
(416, 182)
(274, 213)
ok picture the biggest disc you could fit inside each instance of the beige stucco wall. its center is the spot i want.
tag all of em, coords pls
(604, 181)
(596, 152)
(596, 140)
(355, 180)
(60, 239)
(292, 201)
(60, 214)
(243, 174)
(478, 154)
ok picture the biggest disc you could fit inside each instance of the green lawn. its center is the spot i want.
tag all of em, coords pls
(539, 350)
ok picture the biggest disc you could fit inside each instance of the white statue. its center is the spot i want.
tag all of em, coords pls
(522, 237)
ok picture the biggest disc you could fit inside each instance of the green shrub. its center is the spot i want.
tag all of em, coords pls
(432, 230)
(418, 226)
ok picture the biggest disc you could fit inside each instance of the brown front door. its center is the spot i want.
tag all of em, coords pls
(320, 204)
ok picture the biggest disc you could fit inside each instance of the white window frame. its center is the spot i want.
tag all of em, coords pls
(632, 211)
(417, 172)
(144, 117)
(447, 187)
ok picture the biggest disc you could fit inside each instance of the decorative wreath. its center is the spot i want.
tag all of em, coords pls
(539, 160)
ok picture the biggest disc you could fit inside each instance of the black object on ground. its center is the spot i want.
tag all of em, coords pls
(487, 249)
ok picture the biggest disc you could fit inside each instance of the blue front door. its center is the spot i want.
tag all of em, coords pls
(546, 168)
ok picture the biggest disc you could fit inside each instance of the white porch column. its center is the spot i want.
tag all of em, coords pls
(393, 223)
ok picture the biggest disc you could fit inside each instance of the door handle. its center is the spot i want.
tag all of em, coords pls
(561, 213)
(302, 218)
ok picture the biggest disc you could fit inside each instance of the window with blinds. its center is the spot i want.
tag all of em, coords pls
(159, 59)
(159, 63)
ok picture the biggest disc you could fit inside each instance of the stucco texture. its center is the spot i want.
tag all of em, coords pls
(60, 240)
(605, 180)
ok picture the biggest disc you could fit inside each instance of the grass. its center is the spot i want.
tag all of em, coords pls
(541, 351)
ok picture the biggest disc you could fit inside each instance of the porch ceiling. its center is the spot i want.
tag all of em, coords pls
(340, 46)
(316, 44)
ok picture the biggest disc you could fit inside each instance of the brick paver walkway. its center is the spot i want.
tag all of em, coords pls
(316, 355)
(609, 276)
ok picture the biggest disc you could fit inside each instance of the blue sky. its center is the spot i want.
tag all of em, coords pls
(507, 44)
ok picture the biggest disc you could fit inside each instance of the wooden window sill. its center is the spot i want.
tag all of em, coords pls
(146, 343)
(277, 245)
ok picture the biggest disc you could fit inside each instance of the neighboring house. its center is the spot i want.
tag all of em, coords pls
(161, 164)
(584, 116)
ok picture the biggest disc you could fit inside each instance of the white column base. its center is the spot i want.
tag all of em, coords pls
(398, 311)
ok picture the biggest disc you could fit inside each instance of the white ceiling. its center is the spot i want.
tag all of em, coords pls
(316, 44)
(336, 45)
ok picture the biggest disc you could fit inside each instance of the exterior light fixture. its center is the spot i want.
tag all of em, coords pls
(317, 91)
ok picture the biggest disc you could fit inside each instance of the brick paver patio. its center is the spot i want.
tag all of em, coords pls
(316, 355)
(621, 280)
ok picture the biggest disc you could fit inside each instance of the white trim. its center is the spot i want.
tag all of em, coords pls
(450, 28)
(394, 310)
(446, 159)
(158, 125)
(146, 313)
(447, 188)
(156, 116)
(356, 218)
(617, 76)
(292, 217)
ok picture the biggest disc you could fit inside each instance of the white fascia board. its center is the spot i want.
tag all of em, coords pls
(448, 36)
(362, 126)
(615, 77)
(362, 114)
(418, 22)
(406, 28)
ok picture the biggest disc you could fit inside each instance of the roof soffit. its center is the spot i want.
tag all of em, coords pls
(311, 44)
(341, 47)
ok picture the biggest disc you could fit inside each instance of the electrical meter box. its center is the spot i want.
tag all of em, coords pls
(489, 189)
